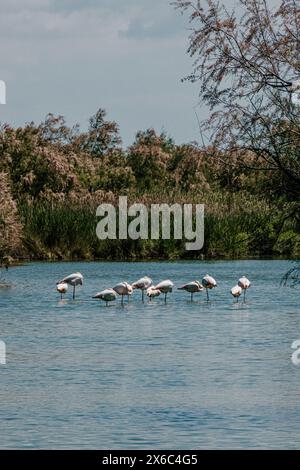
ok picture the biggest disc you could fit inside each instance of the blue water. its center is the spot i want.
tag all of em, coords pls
(168, 376)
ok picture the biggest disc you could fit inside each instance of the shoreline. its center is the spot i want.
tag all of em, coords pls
(22, 262)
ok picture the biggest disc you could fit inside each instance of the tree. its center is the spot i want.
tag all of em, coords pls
(247, 63)
(187, 169)
(36, 160)
(149, 157)
(114, 174)
(55, 131)
(10, 227)
(103, 136)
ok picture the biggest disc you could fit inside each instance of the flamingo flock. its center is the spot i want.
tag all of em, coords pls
(242, 286)
(145, 284)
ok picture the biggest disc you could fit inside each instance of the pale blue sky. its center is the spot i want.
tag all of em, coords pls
(71, 57)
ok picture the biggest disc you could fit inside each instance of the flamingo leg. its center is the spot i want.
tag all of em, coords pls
(192, 297)
(74, 287)
(244, 295)
(143, 293)
(207, 295)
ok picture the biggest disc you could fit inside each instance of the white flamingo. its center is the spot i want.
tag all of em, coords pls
(165, 287)
(75, 279)
(143, 284)
(209, 283)
(236, 292)
(107, 295)
(62, 288)
(123, 288)
(152, 292)
(192, 288)
(245, 284)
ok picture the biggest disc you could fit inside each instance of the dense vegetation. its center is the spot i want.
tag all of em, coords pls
(53, 177)
(246, 66)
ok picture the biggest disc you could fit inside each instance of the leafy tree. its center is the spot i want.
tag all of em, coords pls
(247, 63)
(187, 168)
(114, 174)
(54, 130)
(35, 163)
(103, 135)
(10, 227)
(149, 157)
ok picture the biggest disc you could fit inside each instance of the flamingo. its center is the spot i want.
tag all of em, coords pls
(108, 295)
(142, 284)
(62, 288)
(245, 284)
(236, 291)
(192, 287)
(165, 287)
(152, 292)
(74, 280)
(123, 288)
(209, 283)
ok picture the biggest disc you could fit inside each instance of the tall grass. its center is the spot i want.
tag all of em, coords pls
(233, 228)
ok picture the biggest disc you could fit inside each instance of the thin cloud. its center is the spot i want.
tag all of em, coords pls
(71, 57)
(169, 25)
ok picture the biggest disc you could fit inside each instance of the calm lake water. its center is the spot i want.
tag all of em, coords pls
(181, 375)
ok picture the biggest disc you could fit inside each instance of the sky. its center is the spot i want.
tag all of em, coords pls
(71, 57)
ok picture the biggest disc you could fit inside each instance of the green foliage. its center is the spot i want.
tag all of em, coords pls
(288, 243)
(57, 177)
(103, 136)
